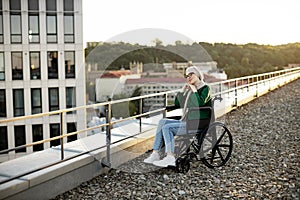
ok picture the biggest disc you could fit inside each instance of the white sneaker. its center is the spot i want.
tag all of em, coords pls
(153, 157)
(167, 161)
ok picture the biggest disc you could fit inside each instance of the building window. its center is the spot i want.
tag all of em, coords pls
(20, 138)
(68, 21)
(17, 65)
(51, 28)
(70, 98)
(53, 99)
(71, 127)
(37, 135)
(33, 5)
(52, 65)
(36, 100)
(51, 21)
(15, 21)
(68, 5)
(35, 69)
(2, 67)
(54, 131)
(51, 5)
(15, 5)
(70, 64)
(34, 30)
(2, 103)
(3, 138)
(18, 98)
(33, 21)
(69, 28)
(1, 23)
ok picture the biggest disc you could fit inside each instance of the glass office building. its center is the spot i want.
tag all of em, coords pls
(41, 70)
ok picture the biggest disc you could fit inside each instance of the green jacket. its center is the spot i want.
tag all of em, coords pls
(197, 99)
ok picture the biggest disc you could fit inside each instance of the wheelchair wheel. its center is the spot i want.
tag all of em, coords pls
(183, 165)
(216, 146)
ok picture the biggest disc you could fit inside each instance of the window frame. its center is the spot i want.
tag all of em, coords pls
(53, 107)
(17, 73)
(66, 5)
(3, 111)
(19, 110)
(72, 99)
(52, 3)
(1, 25)
(35, 74)
(52, 70)
(37, 136)
(71, 127)
(32, 2)
(54, 131)
(20, 137)
(2, 67)
(33, 37)
(35, 109)
(51, 36)
(69, 35)
(3, 138)
(70, 69)
(15, 35)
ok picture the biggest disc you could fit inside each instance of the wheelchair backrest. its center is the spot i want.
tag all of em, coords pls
(194, 125)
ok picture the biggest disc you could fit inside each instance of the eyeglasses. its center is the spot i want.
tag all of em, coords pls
(189, 75)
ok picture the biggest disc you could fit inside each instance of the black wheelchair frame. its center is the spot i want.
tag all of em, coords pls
(206, 140)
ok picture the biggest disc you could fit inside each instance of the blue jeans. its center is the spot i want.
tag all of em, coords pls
(166, 130)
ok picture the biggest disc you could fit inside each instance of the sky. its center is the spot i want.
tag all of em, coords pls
(270, 22)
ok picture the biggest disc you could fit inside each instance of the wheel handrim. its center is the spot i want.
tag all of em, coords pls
(216, 146)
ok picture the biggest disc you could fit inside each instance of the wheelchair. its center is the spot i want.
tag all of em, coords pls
(205, 140)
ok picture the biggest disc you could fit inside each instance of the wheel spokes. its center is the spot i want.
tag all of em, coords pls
(217, 145)
(220, 154)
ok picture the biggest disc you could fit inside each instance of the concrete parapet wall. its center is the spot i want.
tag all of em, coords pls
(50, 182)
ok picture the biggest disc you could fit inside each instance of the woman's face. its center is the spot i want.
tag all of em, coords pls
(192, 79)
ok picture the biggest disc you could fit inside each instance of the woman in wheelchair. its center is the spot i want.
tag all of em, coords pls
(195, 93)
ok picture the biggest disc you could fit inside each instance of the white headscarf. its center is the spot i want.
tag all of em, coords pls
(198, 73)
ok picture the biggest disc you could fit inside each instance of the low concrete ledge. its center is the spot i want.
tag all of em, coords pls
(54, 180)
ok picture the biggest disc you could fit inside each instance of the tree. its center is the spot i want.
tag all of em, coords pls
(134, 106)
(157, 42)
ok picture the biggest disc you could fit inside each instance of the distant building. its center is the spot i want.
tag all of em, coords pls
(175, 69)
(112, 82)
(41, 70)
(219, 74)
(154, 85)
(293, 65)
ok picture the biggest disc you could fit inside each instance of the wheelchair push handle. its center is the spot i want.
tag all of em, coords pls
(217, 98)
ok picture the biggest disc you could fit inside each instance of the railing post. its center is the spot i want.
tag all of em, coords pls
(248, 80)
(236, 93)
(62, 126)
(220, 88)
(256, 92)
(140, 112)
(165, 105)
(270, 76)
(108, 134)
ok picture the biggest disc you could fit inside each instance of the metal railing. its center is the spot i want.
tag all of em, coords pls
(222, 88)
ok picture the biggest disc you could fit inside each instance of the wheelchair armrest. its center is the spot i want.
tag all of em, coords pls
(171, 107)
(174, 117)
(209, 108)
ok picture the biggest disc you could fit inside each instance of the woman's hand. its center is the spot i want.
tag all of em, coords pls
(193, 87)
(184, 88)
